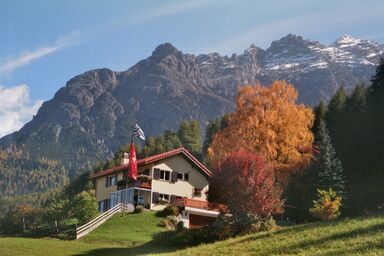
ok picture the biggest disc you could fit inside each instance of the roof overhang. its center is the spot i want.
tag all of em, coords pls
(155, 158)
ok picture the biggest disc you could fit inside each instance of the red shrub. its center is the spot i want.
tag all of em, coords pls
(246, 185)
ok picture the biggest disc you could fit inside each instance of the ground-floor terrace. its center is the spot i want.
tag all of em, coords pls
(194, 213)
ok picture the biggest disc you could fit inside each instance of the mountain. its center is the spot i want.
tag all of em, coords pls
(315, 69)
(89, 118)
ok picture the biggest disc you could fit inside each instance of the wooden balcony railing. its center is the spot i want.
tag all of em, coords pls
(193, 203)
(143, 184)
(146, 184)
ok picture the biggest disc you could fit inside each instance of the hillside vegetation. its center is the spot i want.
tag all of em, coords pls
(135, 234)
(22, 174)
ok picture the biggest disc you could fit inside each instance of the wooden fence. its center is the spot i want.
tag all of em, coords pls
(96, 222)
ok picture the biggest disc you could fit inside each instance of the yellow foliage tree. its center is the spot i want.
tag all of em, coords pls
(267, 121)
(327, 206)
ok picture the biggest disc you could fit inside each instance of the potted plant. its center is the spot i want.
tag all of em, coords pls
(144, 178)
(121, 184)
(197, 192)
(144, 181)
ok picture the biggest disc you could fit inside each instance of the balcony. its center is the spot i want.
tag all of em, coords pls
(143, 181)
(142, 184)
(193, 203)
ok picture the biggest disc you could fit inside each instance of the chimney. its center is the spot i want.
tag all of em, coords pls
(125, 159)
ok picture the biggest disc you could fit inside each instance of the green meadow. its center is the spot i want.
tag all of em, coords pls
(138, 234)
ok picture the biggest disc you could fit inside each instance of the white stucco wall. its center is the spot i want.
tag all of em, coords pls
(180, 188)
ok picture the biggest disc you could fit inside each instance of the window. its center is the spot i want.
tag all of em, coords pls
(197, 192)
(183, 176)
(111, 181)
(146, 172)
(101, 206)
(107, 204)
(164, 197)
(165, 175)
(104, 205)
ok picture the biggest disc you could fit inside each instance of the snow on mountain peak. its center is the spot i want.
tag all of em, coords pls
(347, 41)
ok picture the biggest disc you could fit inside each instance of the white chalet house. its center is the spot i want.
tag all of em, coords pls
(174, 177)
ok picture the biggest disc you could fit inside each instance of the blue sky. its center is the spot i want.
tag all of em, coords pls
(44, 43)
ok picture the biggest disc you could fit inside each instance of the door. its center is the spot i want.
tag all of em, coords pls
(198, 221)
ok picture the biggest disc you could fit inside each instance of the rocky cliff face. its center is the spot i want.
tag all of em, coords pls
(315, 69)
(89, 118)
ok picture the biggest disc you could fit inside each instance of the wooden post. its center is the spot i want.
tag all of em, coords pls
(24, 229)
(57, 227)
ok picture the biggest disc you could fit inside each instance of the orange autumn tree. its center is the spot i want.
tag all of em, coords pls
(269, 122)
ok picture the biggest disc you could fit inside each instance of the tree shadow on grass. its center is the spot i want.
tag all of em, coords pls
(159, 244)
(308, 244)
(285, 231)
(162, 242)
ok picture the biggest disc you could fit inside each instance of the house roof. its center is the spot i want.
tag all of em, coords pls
(151, 159)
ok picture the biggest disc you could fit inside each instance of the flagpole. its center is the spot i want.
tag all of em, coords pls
(129, 164)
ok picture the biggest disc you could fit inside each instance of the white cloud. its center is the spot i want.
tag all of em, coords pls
(170, 9)
(27, 57)
(16, 108)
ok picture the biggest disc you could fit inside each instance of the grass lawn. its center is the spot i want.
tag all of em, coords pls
(347, 237)
(134, 234)
(129, 230)
(11, 246)
(131, 234)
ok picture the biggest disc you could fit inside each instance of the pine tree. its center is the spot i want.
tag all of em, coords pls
(378, 79)
(212, 128)
(356, 134)
(376, 106)
(328, 168)
(337, 103)
(190, 136)
(335, 119)
(320, 112)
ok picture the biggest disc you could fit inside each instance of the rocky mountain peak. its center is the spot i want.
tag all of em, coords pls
(164, 50)
(252, 49)
(356, 52)
(290, 44)
(346, 41)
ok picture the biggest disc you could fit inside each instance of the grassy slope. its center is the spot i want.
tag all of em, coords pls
(133, 235)
(129, 230)
(11, 246)
(348, 237)
(121, 235)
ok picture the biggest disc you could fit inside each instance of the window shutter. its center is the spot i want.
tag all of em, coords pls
(155, 197)
(173, 177)
(173, 198)
(156, 173)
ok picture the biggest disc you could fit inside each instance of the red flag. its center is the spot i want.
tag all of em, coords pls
(132, 173)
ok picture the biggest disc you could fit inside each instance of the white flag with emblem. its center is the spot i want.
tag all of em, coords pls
(138, 132)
